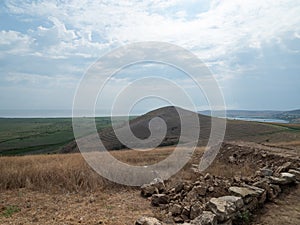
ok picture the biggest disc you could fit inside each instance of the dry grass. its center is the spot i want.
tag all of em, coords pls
(71, 173)
(223, 169)
(66, 172)
(37, 185)
(48, 172)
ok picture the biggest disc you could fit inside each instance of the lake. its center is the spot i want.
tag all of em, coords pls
(259, 119)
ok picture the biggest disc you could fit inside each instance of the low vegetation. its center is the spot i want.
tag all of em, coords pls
(39, 135)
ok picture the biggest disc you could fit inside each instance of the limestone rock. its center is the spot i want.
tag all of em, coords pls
(148, 190)
(197, 191)
(266, 172)
(273, 192)
(296, 173)
(159, 199)
(284, 179)
(206, 218)
(185, 214)
(289, 177)
(147, 221)
(246, 191)
(284, 168)
(228, 222)
(175, 209)
(178, 219)
(222, 208)
(156, 186)
(195, 210)
(159, 184)
(179, 187)
(237, 201)
(277, 180)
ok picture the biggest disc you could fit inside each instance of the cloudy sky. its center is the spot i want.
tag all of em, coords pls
(251, 47)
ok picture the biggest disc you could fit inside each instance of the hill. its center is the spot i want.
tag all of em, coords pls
(292, 116)
(236, 130)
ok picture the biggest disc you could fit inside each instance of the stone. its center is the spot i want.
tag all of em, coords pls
(178, 219)
(187, 187)
(147, 221)
(263, 183)
(296, 173)
(273, 192)
(179, 187)
(155, 187)
(238, 201)
(237, 179)
(266, 172)
(284, 179)
(159, 199)
(252, 205)
(207, 176)
(290, 178)
(195, 211)
(185, 214)
(171, 191)
(246, 191)
(284, 168)
(228, 222)
(159, 184)
(148, 190)
(277, 180)
(206, 218)
(261, 193)
(175, 209)
(231, 159)
(222, 208)
(211, 189)
(200, 190)
(196, 192)
(175, 197)
(262, 198)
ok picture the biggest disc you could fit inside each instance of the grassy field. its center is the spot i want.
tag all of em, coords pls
(39, 135)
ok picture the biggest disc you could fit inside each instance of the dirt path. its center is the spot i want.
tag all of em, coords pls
(291, 153)
(283, 211)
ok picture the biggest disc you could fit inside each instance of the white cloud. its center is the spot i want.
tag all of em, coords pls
(14, 42)
(225, 28)
(40, 80)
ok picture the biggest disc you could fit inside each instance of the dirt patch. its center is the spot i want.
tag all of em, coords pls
(284, 210)
(103, 207)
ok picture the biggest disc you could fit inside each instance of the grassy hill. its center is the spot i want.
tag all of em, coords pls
(236, 130)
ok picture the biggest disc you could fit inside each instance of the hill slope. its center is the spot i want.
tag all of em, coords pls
(236, 130)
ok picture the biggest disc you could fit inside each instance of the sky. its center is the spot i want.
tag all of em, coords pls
(252, 48)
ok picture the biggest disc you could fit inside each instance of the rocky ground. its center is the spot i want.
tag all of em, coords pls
(214, 199)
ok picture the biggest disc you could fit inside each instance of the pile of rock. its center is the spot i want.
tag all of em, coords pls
(203, 202)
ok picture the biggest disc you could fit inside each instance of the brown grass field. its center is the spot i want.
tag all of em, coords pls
(63, 189)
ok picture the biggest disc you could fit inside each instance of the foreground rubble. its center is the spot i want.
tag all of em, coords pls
(212, 200)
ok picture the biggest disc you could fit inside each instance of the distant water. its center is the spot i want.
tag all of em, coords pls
(259, 119)
(35, 113)
(68, 114)
(41, 114)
